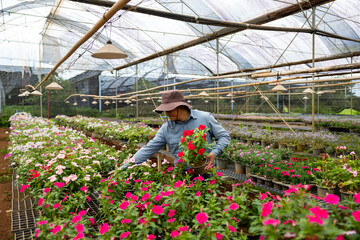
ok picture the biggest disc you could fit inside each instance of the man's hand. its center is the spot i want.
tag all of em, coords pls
(210, 157)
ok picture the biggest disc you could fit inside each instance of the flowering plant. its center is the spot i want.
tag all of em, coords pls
(193, 145)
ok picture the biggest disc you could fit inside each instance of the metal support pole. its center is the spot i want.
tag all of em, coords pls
(232, 97)
(116, 93)
(313, 75)
(217, 74)
(289, 99)
(318, 104)
(277, 100)
(351, 93)
(136, 89)
(99, 95)
(48, 102)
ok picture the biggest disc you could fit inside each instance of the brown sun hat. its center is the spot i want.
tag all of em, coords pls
(171, 100)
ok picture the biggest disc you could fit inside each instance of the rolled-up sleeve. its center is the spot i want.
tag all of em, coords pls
(151, 147)
(222, 137)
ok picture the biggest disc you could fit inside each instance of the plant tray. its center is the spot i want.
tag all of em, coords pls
(93, 205)
(22, 220)
(25, 234)
(22, 204)
(16, 189)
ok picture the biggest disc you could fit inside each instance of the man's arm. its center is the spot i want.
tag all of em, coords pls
(222, 138)
(151, 147)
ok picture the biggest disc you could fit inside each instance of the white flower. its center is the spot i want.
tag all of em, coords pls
(62, 156)
(75, 164)
(87, 177)
(96, 162)
(146, 173)
(52, 178)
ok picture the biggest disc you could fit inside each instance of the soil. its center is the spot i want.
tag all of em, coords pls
(5, 187)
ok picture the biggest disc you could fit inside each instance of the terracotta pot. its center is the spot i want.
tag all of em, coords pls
(199, 170)
(222, 163)
(322, 191)
(239, 168)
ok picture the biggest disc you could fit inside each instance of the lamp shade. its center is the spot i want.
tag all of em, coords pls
(279, 87)
(203, 94)
(305, 98)
(206, 101)
(67, 102)
(320, 92)
(36, 92)
(232, 101)
(26, 93)
(75, 104)
(308, 90)
(83, 100)
(107, 102)
(127, 101)
(54, 86)
(230, 95)
(94, 102)
(109, 51)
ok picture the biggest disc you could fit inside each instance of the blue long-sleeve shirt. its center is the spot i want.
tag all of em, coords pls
(171, 132)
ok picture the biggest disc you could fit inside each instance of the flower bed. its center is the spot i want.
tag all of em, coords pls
(60, 168)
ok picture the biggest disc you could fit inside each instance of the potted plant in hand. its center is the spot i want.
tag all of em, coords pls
(193, 145)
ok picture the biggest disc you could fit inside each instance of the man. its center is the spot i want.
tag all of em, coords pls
(181, 118)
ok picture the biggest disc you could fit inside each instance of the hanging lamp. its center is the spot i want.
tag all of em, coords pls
(107, 102)
(232, 101)
(36, 93)
(189, 101)
(94, 102)
(54, 86)
(67, 102)
(279, 88)
(230, 95)
(319, 92)
(127, 101)
(83, 100)
(206, 101)
(305, 98)
(109, 51)
(75, 104)
(203, 94)
(26, 93)
(308, 90)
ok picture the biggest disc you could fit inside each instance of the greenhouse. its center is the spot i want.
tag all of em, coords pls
(182, 119)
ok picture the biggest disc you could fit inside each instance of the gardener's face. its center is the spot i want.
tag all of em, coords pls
(172, 115)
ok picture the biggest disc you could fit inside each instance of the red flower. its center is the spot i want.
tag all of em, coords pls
(201, 218)
(157, 210)
(357, 198)
(150, 237)
(174, 234)
(183, 229)
(201, 151)
(201, 127)
(190, 145)
(318, 212)
(103, 228)
(218, 236)
(124, 235)
(182, 140)
(180, 154)
(232, 228)
(124, 205)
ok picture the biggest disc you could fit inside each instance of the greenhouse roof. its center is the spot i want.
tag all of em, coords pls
(38, 33)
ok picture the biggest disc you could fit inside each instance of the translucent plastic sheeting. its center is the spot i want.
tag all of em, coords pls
(40, 32)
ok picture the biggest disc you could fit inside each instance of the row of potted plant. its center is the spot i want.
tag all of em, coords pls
(325, 172)
(110, 129)
(324, 140)
(61, 167)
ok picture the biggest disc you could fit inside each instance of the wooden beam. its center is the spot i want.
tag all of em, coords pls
(272, 16)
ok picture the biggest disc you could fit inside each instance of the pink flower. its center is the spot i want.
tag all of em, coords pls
(174, 234)
(23, 187)
(56, 205)
(41, 201)
(157, 197)
(145, 197)
(313, 219)
(37, 231)
(219, 174)
(198, 193)
(92, 220)
(59, 184)
(150, 237)
(171, 220)
(124, 205)
(183, 229)
(79, 227)
(46, 190)
(56, 229)
(124, 235)
(318, 212)
(80, 235)
(84, 189)
(128, 195)
(233, 206)
(76, 219)
(125, 221)
(356, 215)
(332, 199)
(178, 184)
(82, 213)
(201, 218)
(231, 228)
(41, 222)
(103, 228)
(157, 210)
(340, 237)
(171, 213)
(293, 223)
(357, 198)
(266, 209)
(271, 221)
(263, 196)
(218, 236)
